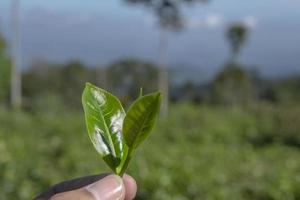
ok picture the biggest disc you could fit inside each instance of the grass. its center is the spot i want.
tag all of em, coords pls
(198, 152)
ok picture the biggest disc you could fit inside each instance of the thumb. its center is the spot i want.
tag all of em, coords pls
(109, 188)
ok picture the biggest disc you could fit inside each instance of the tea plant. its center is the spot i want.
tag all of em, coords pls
(115, 134)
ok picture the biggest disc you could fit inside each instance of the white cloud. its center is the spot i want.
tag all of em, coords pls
(208, 21)
(213, 20)
(250, 21)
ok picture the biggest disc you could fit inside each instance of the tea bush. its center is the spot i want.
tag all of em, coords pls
(198, 152)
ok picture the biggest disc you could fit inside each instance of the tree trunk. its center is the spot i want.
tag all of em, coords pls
(163, 72)
(16, 96)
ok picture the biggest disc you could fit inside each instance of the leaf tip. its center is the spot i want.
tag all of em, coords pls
(88, 84)
(158, 95)
(141, 92)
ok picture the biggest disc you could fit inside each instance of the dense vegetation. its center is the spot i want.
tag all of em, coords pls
(198, 152)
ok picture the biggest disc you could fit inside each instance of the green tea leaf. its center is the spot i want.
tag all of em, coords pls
(140, 119)
(104, 116)
(114, 134)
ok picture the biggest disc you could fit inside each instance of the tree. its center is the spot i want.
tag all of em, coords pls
(125, 78)
(74, 75)
(4, 72)
(232, 86)
(236, 36)
(169, 16)
(16, 85)
(167, 12)
(64, 82)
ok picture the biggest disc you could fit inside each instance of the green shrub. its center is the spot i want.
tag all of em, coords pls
(198, 152)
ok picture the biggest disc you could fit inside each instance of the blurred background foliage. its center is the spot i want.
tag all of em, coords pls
(236, 136)
(197, 152)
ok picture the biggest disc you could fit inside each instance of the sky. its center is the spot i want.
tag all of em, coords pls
(101, 32)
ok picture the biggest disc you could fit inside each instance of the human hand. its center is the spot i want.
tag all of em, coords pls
(97, 187)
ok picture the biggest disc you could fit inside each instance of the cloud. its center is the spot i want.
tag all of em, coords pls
(208, 21)
(250, 21)
(213, 20)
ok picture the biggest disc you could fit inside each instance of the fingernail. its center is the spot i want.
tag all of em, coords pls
(109, 188)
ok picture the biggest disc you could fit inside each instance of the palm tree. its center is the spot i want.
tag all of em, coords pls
(169, 17)
(236, 35)
(232, 85)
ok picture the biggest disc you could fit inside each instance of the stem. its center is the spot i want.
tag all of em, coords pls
(126, 162)
(125, 166)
